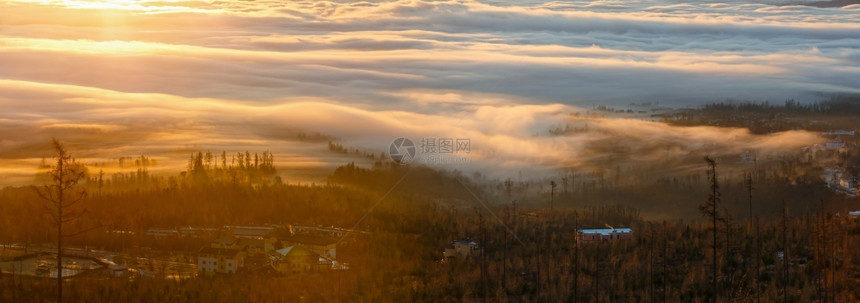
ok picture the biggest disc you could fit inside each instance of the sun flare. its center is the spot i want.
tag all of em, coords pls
(124, 5)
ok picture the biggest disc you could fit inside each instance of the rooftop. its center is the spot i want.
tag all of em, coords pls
(219, 251)
(253, 227)
(606, 231)
(252, 242)
(293, 251)
(254, 231)
(461, 242)
(311, 240)
(225, 241)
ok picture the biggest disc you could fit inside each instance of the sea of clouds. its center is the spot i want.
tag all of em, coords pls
(164, 78)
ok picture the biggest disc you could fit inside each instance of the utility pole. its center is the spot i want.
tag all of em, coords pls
(785, 251)
(508, 186)
(505, 249)
(597, 271)
(550, 222)
(665, 257)
(483, 259)
(651, 262)
(576, 257)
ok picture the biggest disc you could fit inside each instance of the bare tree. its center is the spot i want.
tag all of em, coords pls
(748, 181)
(709, 209)
(63, 197)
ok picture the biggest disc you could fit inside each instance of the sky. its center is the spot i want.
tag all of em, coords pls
(168, 77)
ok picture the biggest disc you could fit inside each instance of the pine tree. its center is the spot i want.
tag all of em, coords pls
(63, 195)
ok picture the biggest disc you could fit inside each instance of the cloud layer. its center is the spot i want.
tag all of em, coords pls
(164, 77)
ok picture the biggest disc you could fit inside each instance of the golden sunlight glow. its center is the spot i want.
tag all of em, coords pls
(224, 150)
(123, 5)
(167, 74)
(87, 4)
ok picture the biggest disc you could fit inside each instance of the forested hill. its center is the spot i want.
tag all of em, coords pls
(838, 112)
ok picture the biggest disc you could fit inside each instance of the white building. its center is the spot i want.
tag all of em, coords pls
(461, 249)
(322, 245)
(749, 156)
(847, 184)
(591, 235)
(835, 144)
(838, 133)
(295, 260)
(219, 260)
(838, 181)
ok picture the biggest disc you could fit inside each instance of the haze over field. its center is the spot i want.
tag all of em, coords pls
(165, 78)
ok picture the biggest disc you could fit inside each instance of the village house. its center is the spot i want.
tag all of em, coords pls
(592, 235)
(835, 144)
(226, 243)
(256, 246)
(461, 249)
(322, 245)
(219, 260)
(847, 184)
(252, 246)
(840, 181)
(295, 260)
(838, 133)
(749, 157)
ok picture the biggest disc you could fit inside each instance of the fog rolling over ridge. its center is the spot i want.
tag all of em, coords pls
(164, 78)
